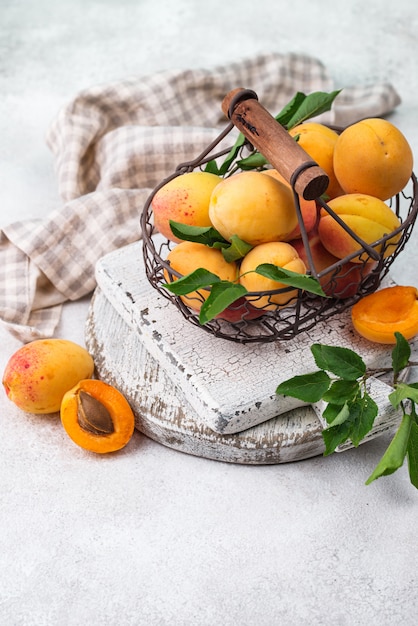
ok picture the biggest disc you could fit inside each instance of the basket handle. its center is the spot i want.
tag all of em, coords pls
(270, 138)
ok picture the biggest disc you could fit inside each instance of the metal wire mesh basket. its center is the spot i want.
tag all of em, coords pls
(246, 322)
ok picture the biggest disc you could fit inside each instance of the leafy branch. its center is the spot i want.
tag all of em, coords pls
(350, 412)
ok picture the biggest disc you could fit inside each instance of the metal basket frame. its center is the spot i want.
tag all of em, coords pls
(298, 316)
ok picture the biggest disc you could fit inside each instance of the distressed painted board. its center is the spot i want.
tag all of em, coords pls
(230, 386)
(163, 413)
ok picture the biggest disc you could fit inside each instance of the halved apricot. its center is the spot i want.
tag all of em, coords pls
(380, 314)
(97, 417)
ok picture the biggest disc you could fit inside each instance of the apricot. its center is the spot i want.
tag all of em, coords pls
(373, 157)
(277, 253)
(255, 207)
(184, 199)
(97, 417)
(308, 208)
(319, 142)
(342, 282)
(379, 315)
(188, 256)
(367, 216)
(38, 375)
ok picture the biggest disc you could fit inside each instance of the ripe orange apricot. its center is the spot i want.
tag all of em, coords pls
(97, 417)
(254, 207)
(367, 216)
(319, 142)
(184, 199)
(277, 253)
(308, 208)
(188, 256)
(373, 157)
(380, 314)
(39, 373)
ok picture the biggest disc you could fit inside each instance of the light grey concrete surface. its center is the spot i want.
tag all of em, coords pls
(151, 536)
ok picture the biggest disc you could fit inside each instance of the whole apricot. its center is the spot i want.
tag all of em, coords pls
(341, 282)
(38, 375)
(319, 142)
(97, 416)
(367, 216)
(308, 208)
(188, 256)
(379, 315)
(254, 207)
(184, 199)
(373, 157)
(277, 253)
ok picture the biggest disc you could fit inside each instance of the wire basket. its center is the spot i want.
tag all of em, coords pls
(245, 322)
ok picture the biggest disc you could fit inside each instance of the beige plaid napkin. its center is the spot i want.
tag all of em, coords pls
(112, 144)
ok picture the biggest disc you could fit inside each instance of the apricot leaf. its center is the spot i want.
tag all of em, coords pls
(403, 392)
(222, 294)
(293, 279)
(342, 391)
(401, 353)
(236, 250)
(342, 362)
(312, 105)
(253, 161)
(290, 109)
(232, 155)
(412, 454)
(336, 414)
(306, 387)
(198, 279)
(199, 234)
(395, 454)
(334, 436)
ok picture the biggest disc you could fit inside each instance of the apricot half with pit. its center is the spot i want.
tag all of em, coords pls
(97, 416)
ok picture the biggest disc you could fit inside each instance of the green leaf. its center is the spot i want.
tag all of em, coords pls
(352, 421)
(342, 391)
(293, 279)
(236, 250)
(197, 279)
(395, 454)
(403, 392)
(363, 412)
(343, 362)
(306, 387)
(231, 156)
(212, 167)
(253, 161)
(290, 109)
(412, 454)
(334, 436)
(222, 294)
(314, 104)
(336, 414)
(401, 353)
(199, 234)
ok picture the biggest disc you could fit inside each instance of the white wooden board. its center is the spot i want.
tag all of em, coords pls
(143, 346)
(163, 413)
(231, 386)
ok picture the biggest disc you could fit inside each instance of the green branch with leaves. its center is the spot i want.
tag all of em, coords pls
(350, 413)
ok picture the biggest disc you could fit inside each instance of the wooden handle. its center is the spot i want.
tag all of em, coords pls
(269, 137)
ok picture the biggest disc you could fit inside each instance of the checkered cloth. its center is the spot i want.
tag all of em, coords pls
(113, 144)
